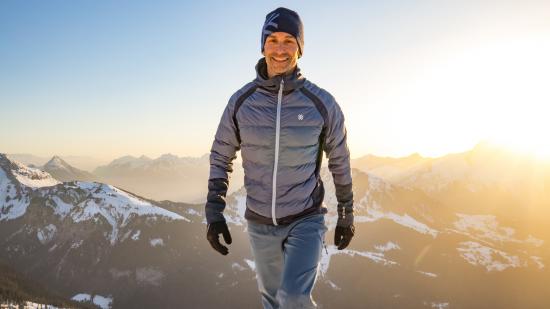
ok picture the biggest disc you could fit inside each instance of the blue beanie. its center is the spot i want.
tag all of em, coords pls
(284, 20)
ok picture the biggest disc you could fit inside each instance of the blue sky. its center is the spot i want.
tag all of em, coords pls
(111, 78)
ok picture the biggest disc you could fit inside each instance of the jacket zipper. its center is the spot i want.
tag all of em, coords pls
(277, 133)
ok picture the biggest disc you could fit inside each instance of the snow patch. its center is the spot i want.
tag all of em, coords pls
(237, 266)
(136, 235)
(427, 273)
(77, 244)
(117, 207)
(12, 204)
(60, 208)
(156, 242)
(534, 241)
(32, 177)
(377, 257)
(28, 305)
(492, 259)
(103, 302)
(487, 227)
(46, 234)
(437, 305)
(387, 247)
(100, 301)
(538, 261)
(193, 212)
(375, 213)
(82, 297)
(251, 264)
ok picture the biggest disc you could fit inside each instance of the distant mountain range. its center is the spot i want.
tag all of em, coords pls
(168, 177)
(486, 179)
(414, 247)
(85, 163)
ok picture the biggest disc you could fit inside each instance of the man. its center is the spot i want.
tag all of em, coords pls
(282, 123)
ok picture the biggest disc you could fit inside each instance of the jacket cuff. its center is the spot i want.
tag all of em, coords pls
(214, 216)
(215, 204)
(344, 195)
(345, 220)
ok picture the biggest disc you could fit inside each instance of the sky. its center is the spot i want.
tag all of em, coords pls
(113, 78)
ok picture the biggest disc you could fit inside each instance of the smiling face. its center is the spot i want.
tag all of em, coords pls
(281, 53)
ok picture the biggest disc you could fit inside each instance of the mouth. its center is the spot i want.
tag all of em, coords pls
(280, 60)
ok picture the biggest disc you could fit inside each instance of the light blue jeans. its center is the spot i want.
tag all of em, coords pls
(287, 258)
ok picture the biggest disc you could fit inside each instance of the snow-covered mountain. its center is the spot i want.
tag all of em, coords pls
(487, 179)
(63, 171)
(167, 177)
(77, 201)
(82, 238)
(410, 249)
(484, 165)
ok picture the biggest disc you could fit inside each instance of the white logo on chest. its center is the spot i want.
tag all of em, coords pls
(300, 117)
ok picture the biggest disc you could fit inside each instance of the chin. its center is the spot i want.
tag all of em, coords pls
(281, 70)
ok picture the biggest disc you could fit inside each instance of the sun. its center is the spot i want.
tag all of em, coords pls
(501, 92)
(525, 131)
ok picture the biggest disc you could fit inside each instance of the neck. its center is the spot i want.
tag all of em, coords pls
(271, 74)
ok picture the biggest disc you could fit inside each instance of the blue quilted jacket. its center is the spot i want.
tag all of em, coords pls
(281, 126)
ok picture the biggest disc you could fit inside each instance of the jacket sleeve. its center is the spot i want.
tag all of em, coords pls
(338, 155)
(222, 154)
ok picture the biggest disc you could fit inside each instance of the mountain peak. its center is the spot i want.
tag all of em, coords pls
(57, 162)
(487, 147)
(27, 176)
(415, 155)
(123, 160)
(168, 156)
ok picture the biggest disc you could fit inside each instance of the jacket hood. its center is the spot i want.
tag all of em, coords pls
(293, 80)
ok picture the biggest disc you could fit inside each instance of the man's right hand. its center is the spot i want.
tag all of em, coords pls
(212, 234)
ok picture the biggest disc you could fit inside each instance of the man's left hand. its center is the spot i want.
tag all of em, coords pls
(344, 227)
(343, 236)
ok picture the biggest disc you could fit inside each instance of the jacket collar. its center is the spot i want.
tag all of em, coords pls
(293, 80)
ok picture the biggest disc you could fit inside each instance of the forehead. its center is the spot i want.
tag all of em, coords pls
(281, 35)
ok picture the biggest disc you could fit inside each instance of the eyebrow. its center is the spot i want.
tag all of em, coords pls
(288, 36)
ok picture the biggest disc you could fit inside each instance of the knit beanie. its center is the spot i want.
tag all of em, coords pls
(284, 20)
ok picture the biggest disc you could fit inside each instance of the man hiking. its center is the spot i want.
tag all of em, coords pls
(282, 123)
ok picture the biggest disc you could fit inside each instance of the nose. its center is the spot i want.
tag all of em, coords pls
(279, 48)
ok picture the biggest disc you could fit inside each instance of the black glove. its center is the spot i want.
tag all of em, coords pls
(214, 229)
(344, 228)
